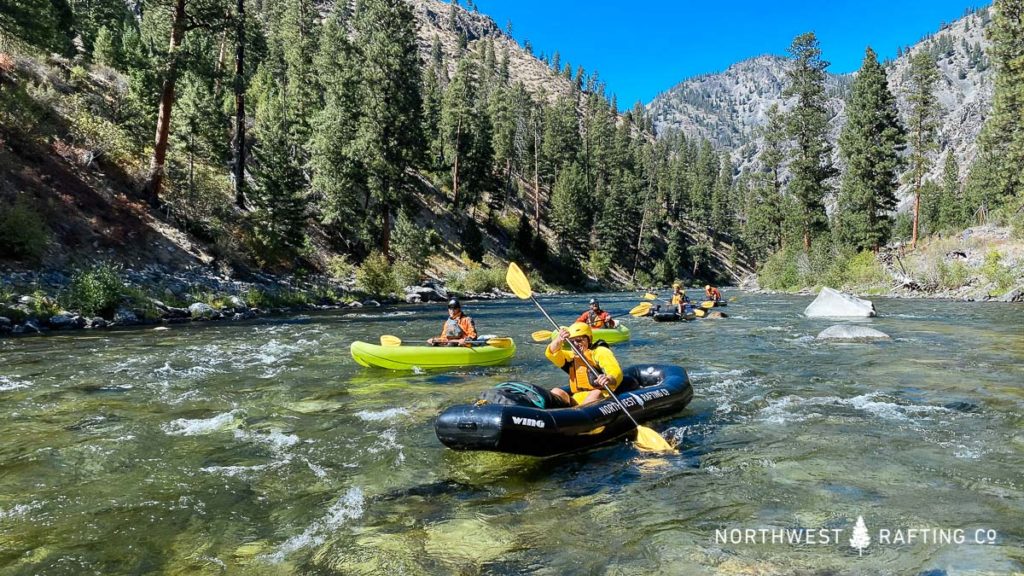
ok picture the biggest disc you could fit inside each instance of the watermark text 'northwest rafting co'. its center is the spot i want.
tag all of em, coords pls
(859, 537)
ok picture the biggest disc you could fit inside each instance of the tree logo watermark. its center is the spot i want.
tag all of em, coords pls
(860, 539)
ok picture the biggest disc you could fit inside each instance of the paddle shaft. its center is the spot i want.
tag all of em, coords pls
(585, 361)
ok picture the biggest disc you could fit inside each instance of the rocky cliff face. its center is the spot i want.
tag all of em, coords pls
(437, 19)
(727, 108)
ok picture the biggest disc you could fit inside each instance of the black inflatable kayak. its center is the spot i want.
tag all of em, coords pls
(672, 316)
(526, 428)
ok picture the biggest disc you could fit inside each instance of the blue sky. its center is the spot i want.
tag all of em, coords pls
(642, 48)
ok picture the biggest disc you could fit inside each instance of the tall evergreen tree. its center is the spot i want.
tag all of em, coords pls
(952, 206)
(571, 213)
(1003, 135)
(922, 124)
(338, 179)
(466, 131)
(870, 145)
(807, 126)
(278, 195)
(389, 137)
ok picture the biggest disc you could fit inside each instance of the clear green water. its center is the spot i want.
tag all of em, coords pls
(263, 449)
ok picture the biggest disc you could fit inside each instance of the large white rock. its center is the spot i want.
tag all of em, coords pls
(851, 332)
(831, 303)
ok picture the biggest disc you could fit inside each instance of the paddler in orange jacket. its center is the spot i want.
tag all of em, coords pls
(584, 386)
(457, 328)
(712, 293)
(595, 317)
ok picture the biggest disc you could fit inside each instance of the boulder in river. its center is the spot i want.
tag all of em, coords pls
(832, 303)
(201, 311)
(851, 332)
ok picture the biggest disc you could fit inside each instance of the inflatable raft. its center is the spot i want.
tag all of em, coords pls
(519, 423)
(672, 316)
(428, 357)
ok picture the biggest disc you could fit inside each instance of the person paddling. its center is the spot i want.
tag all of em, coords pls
(584, 387)
(679, 298)
(712, 293)
(595, 317)
(457, 329)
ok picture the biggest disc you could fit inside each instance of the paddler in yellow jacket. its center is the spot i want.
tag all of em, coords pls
(584, 386)
(679, 298)
(457, 328)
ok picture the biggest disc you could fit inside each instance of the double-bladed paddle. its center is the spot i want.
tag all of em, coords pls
(646, 438)
(639, 310)
(390, 341)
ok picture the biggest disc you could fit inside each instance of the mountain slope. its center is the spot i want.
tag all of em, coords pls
(728, 107)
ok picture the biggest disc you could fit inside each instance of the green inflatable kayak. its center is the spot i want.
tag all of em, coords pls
(616, 335)
(428, 357)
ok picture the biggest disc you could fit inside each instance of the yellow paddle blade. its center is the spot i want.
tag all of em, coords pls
(707, 304)
(651, 441)
(541, 335)
(500, 342)
(518, 282)
(700, 312)
(650, 296)
(387, 340)
(641, 309)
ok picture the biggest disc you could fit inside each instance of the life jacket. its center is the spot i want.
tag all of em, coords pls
(458, 328)
(596, 320)
(579, 374)
(679, 298)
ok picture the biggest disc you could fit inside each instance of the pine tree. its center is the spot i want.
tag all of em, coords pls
(922, 124)
(466, 131)
(952, 211)
(807, 127)
(435, 79)
(1003, 135)
(338, 178)
(278, 194)
(870, 145)
(388, 139)
(571, 213)
(721, 204)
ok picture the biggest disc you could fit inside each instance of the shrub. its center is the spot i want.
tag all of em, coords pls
(996, 273)
(95, 291)
(483, 279)
(23, 232)
(339, 268)
(780, 271)
(406, 273)
(375, 276)
(951, 276)
(865, 269)
(43, 306)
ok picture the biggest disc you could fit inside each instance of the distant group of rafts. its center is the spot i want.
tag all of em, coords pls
(600, 403)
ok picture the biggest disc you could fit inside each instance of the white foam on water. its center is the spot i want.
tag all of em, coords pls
(418, 370)
(190, 373)
(20, 510)
(389, 414)
(276, 439)
(9, 384)
(348, 507)
(197, 427)
(780, 410)
(318, 471)
(245, 472)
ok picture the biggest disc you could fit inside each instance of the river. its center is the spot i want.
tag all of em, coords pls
(262, 448)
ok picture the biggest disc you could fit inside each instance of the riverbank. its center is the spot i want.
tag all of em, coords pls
(105, 296)
(983, 263)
